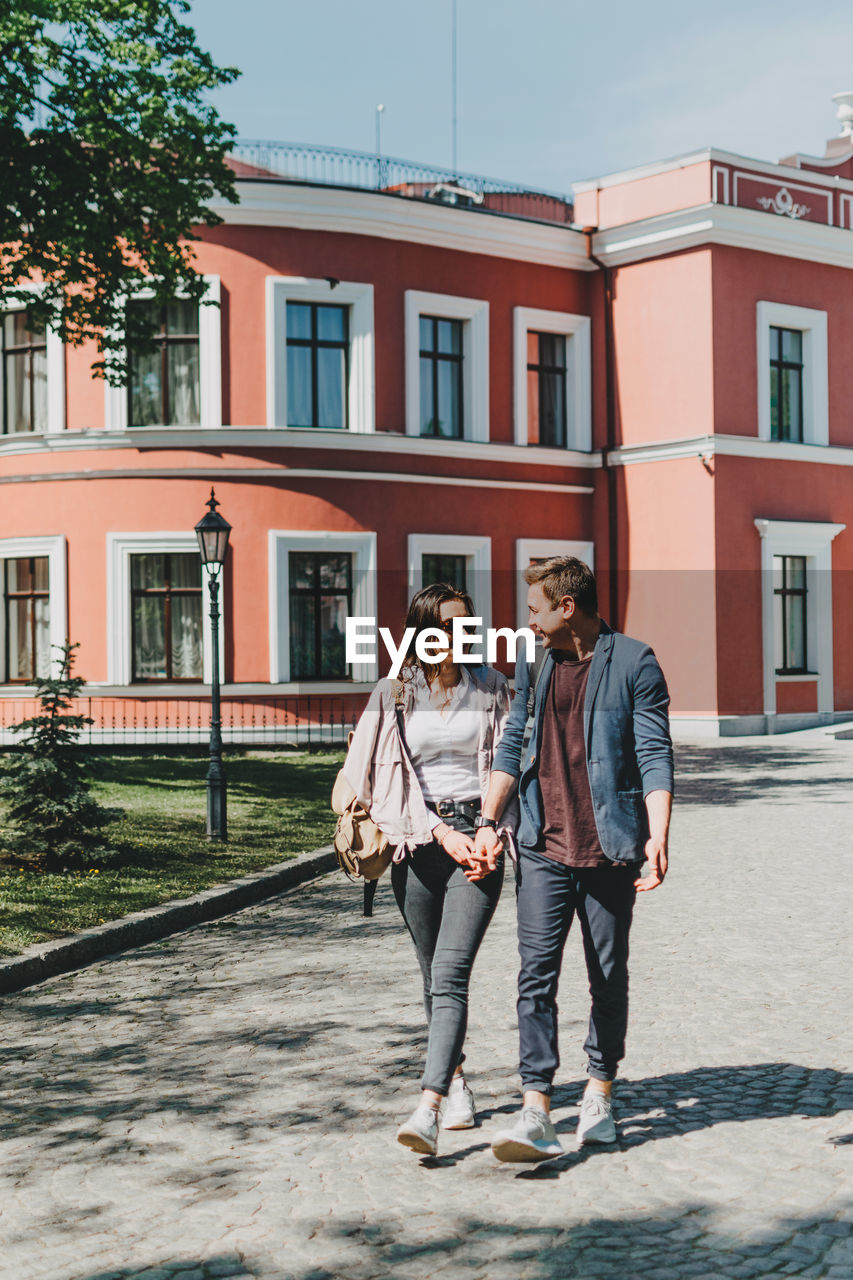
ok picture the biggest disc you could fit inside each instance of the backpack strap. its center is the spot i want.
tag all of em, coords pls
(534, 670)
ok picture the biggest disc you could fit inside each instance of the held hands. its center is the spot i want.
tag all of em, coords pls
(474, 860)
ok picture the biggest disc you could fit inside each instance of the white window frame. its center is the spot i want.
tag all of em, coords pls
(813, 326)
(57, 585)
(55, 359)
(209, 364)
(578, 332)
(120, 548)
(527, 549)
(358, 298)
(362, 547)
(476, 550)
(814, 542)
(474, 313)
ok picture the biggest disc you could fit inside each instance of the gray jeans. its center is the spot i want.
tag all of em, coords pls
(447, 917)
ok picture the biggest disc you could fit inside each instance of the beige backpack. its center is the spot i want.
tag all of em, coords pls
(362, 850)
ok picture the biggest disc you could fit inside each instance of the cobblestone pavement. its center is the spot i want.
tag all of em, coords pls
(224, 1103)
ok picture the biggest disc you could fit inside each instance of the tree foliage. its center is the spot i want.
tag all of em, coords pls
(56, 823)
(110, 154)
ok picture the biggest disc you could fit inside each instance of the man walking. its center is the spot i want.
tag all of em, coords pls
(594, 776)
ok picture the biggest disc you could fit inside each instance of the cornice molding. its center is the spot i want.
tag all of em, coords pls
(388, 217)
(287, 438)
(731, 446)
(711, 155)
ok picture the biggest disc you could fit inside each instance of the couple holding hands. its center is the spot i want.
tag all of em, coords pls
(573, 779)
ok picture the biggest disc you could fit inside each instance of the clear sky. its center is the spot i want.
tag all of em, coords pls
(549, 91)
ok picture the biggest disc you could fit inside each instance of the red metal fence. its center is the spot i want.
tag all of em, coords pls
(247, 721)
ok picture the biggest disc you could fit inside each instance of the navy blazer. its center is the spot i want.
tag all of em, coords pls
(626, 734)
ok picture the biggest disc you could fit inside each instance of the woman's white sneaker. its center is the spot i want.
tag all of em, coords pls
(596, 1118)
(459, 1110)
(531, 1138)
(420, 1132)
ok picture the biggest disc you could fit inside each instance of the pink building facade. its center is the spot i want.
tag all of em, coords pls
(393, 388)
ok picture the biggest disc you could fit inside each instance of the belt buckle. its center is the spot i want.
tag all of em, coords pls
(446, 809)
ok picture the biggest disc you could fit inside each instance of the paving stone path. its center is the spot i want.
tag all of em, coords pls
(224, 1103)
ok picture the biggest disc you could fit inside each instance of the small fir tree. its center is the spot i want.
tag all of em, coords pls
(56, 823)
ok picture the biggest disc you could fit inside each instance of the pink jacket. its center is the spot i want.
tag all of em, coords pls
(381, 775)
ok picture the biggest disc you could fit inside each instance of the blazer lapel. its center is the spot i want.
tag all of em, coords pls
(600, 658)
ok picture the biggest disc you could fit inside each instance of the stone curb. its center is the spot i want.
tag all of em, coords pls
(44, 961)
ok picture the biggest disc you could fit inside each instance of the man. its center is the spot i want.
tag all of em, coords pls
(595, 787)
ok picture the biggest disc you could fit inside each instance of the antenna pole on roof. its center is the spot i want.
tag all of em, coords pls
(453, 86)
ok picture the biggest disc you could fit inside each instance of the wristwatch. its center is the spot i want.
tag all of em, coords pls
(486, 822)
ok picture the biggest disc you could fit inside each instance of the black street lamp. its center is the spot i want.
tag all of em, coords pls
(212, 532)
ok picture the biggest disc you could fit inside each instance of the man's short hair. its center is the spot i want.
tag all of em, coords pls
(560, 576)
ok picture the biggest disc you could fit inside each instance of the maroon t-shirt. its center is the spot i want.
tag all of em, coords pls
(569, 831)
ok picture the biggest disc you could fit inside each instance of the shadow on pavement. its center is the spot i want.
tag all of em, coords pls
(682, 1243)
(734, 775)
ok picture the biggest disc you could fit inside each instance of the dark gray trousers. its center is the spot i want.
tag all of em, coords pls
(447, 917)
(549, 896)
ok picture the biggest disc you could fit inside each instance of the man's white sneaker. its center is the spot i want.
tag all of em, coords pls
(459, 1110)
(420, 1132)
(596, 1118)
(531, 1138)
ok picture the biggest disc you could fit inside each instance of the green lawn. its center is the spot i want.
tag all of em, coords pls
(278, 807)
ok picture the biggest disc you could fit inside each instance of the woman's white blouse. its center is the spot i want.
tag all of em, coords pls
(443, 747)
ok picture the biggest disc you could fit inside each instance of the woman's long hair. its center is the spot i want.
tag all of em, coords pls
(424, 613)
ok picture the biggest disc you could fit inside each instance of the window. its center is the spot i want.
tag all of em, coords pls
(164, 388)
(24, 374)
(320, 601)
(445, 568)
(26, 622)
(320, 354)
(790, 593)
(166, 617)
(317, 357)
(553, 396)
(177, 382)
(442, 409)
(463, 560)
(447, 366)
(546, 389)
(793, 393)
(786, 384)
(316, 581)
(796, 585)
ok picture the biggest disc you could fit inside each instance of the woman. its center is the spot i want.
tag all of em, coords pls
(420, 762)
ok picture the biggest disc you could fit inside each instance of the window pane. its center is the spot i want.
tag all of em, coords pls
(331, 387)
(795, 571)
(149, 637)
(148, 571)
(42, 627)
(302, 570)
(450, 337)
(333, 613)
(335, 572)
(146, 393)
(298, 320)
(182, 360)
(552, 392)
(39, 379)
(791, 425)
(552, 350)
(534, 430)
(428, 409)
(796, 632)
(182, 316)
(186, 636)
(19, 412)
(444, 568)
(20, 640)
(302, 637)
(299, 410)
(449, 425)
(774, 402)
(532, 348)
(775, 343)
(185, 570)
(792, 344)
(18, 575)
(331, 324)
(19, 331)
(426, 333)
(778, 629)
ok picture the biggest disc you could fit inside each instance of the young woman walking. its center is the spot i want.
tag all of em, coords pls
(420, 761)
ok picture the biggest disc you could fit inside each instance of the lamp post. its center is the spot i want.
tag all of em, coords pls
(212, 532)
